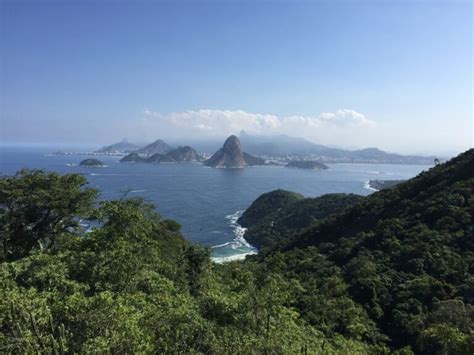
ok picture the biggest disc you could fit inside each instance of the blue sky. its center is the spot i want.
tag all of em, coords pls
(393, 74)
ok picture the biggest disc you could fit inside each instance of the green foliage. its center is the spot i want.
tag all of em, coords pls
(404, 252)
(266, 204)
(36, 208)
(282, 221)
(392, 272)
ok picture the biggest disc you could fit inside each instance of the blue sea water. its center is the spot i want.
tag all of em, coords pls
(205, 201)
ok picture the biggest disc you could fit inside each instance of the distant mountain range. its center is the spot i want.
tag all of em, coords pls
(178, 155)
(157, 147)
(277, 148)
(123, 146)
(282, 145)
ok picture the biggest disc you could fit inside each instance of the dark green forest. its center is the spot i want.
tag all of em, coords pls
(340, 274)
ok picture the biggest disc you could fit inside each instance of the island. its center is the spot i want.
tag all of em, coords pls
(94, 163)
(306, 164)
(231, 155)
(157, 147)
(179, 155)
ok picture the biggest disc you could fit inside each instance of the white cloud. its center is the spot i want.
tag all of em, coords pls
(218, 123)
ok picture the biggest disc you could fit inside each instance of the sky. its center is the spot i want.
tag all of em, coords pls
(397, 75)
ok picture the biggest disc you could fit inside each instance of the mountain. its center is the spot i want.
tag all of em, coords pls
(282, 146)
(391, 273)
(157, 147)
(278, 145)
(266, 204)
(405, 254)
(178, 155)
(156, 159)
(232, 156)
(185, 154)
(278, 213)
(131, 158)
(118, 148)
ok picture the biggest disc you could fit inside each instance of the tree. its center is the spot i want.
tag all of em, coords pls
(37, 207)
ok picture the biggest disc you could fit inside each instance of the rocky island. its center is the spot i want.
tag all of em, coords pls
(92, 163)
(157, 147)
(231, 155)
(304, 164)
(179, 155)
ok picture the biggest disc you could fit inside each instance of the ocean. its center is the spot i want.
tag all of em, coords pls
(205, 201)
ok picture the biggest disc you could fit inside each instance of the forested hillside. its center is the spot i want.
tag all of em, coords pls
(278, 214)
(390, 273)
(406, 254)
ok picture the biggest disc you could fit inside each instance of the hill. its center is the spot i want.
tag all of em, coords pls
(276, 214)
(392, 273)
(283, 146)
(179, 155)
(231, 155)
(406, 254)
(121, 147)
(184, 154)
(157, 147)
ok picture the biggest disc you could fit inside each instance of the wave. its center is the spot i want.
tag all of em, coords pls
(225, 259)
(136, 191)
(238, 248)
(217, 232)
(368, 187)
(222, 245)
(71, 164)
(239, 231)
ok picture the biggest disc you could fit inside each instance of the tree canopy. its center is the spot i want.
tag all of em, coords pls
(388, 273)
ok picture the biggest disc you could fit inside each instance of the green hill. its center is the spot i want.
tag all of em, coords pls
(389, 273)
(278, 214)
(406, 254)
(267, 204)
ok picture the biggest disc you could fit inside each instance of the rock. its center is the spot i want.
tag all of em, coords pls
(179, 155)
(132, 158)
(157, 147)
(303, 164)
(154, 159)
(184, 154)
(383, 184)
(165, 158)
(251, 160)
(232, 156)
(92, 163)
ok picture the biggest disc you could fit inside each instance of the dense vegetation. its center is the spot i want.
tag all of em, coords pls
(276, 215)
(392, 273)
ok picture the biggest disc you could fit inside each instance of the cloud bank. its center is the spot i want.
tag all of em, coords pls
(217, 123)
